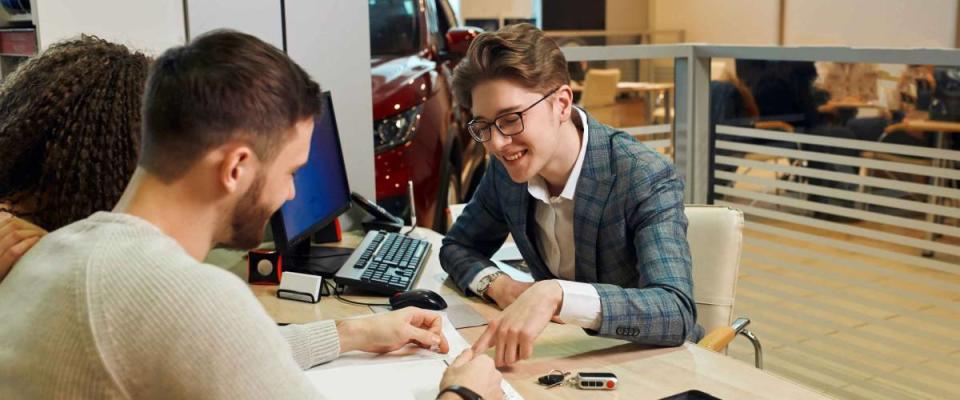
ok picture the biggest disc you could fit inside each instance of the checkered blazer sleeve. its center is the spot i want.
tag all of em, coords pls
(477, 234)
(660, 310)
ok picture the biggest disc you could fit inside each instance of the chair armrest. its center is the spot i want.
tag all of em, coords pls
(718, 339)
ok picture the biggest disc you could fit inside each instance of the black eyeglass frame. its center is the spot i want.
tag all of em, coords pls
(472, 125)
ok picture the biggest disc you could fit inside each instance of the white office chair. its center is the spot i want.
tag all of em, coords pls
(715, 235)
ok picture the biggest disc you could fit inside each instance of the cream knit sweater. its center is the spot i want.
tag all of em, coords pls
(111, 308)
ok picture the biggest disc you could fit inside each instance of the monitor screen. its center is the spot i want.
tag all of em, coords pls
(322, 192)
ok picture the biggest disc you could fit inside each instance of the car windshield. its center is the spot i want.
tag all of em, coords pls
(393, 27)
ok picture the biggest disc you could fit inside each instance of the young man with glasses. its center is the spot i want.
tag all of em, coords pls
(597, 216)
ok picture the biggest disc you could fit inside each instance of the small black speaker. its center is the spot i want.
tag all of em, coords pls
(265, 267)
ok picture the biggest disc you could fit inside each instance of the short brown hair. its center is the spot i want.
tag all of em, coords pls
(223, 85)
(70, 130)
(520, 53)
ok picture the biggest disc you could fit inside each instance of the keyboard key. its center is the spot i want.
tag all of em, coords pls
(419, 252)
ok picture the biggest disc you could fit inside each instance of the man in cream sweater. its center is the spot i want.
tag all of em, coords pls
(119, 305)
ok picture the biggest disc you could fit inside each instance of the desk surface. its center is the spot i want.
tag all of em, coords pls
(926, 125)
(833, 105)
(643, 372)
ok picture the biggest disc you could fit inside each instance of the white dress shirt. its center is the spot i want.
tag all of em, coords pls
(554, 239)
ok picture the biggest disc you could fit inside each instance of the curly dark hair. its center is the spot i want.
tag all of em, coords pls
(70, 130)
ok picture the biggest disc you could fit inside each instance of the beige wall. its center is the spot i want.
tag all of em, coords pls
(859, 23)
(627, 15)
(720, 21)
(496, 9)
(871, 23)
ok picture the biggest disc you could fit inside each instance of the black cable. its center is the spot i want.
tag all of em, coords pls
(283, 24)
(337, 290)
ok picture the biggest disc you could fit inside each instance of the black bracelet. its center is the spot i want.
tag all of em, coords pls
(464, 393)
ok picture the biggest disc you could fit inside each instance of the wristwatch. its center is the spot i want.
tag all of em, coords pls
(485, 283)
(463, 392)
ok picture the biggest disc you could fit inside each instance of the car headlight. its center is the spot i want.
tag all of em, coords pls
(396, 130)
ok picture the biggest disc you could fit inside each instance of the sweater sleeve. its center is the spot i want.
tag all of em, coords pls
(313, 343)
(203, 335)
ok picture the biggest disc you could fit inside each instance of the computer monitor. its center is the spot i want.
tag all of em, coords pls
(322, 194)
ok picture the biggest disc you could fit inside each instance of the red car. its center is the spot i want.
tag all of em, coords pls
(419, 130)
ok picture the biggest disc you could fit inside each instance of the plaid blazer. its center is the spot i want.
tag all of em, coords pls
(630, 234)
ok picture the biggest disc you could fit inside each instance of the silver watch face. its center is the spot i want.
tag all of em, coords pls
(484, 283)
(487, 280)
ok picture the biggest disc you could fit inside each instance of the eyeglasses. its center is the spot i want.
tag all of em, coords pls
(508, 124)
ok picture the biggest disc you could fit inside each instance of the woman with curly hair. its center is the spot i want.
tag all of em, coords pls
(69, 138)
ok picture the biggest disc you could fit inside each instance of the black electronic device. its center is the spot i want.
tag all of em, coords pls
(691, 395)
(382, 219)
(322, 194)
(385, 262)
(420, 298)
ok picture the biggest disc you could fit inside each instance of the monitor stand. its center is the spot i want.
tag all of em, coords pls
(315, 260)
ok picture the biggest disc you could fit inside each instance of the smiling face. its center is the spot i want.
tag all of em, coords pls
(527, 153)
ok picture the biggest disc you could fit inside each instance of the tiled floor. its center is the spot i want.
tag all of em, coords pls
(848, 324)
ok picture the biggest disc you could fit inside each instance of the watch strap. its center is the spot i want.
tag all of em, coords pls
(464, 393)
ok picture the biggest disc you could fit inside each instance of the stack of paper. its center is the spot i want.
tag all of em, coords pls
(409, 373)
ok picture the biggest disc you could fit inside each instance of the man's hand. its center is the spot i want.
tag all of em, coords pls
(504, 290)
(515, 329)
(16, 237)
(383, 333)
(475, 372)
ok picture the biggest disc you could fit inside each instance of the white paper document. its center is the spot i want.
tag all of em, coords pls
(508, 252)
(409, 373)
(513, 272)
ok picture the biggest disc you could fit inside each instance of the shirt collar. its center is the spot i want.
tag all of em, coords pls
(537, 186)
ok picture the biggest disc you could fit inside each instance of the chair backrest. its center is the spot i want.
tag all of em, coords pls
(600, 88)
(715, 235)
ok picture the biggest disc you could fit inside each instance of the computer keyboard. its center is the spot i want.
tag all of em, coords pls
(385, 262)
